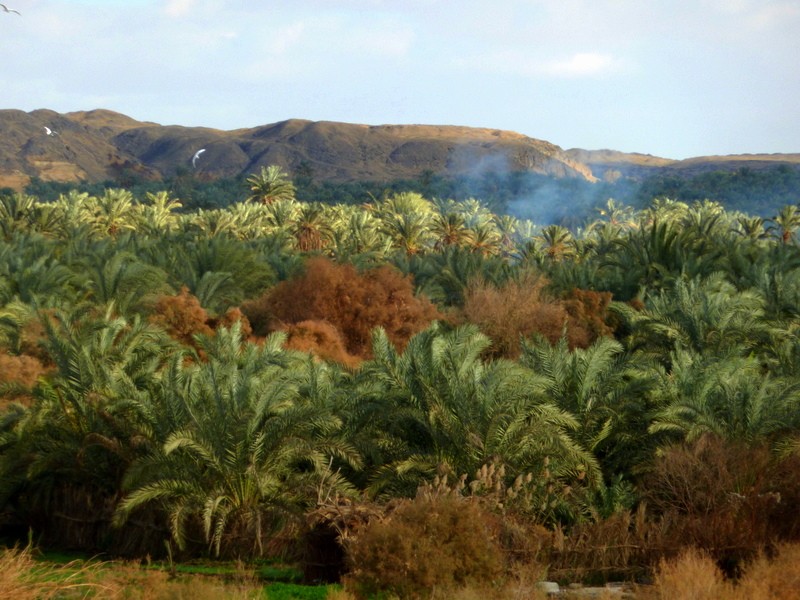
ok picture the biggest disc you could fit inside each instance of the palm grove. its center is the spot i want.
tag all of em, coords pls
(214, 381)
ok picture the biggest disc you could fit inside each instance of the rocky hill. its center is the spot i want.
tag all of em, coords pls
(610, 165)
(98, 145)
(102, 145)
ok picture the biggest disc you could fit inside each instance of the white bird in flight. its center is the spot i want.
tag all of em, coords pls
(47, 130)
(9, 10)
(196, 156)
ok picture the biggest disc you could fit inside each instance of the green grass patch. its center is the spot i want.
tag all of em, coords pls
(292, 591)
(263, 570)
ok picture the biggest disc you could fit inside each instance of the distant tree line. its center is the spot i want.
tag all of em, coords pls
(564, 201)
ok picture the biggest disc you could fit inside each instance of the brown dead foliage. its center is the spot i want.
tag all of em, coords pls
(522, 308)
(726, 498)
(231, 316)
(321, 339)
(22, 370)
(353, 303)
(182, 317)
(588, 309)
(425, 545)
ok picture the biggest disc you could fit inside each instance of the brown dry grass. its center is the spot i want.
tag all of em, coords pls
(135, 583)
(24, 578)
(776, 577)
(694, 575)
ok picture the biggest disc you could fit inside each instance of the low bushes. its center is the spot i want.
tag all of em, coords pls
(425, 545)
(727, 498)
(694, 575)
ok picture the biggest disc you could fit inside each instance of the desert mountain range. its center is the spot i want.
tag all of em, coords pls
(98, 145)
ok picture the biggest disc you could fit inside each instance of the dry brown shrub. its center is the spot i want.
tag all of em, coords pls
(623, 546)
(231, 316)
(523, 308)
(636, 304)
(693, 575)
(588, 310)
(181, 316)
(335, 593)
(32, 336)
(426, 545)
(354, 303)
(321, 339)
(774, 578)
(459, 539)
(725, 497)
(23, 370)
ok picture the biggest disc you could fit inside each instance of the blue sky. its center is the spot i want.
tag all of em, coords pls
(670, 78)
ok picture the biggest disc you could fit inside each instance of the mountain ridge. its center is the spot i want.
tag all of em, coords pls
(100, 144)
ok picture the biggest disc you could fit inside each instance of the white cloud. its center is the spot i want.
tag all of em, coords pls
(580, 64)
(178, 8)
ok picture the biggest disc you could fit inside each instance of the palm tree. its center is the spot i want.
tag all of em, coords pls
(449, 229)
(281, 213)
(707, 315)
(408, 231)
(122, 280)
(750, 227)
(250, 221)
(509, 229)
(445, 276)
(649, 258)
(557, 242)
(270, 185)
(618, 214)
(63, 459)
(310, 228)
(438, 407)
(76, 212)
(211, 223)
(485, 238)
(114, 212)
(664, 210)
(251, 454)
(16, 213)
(605, 389)
(730, 397)
(158, 217)
(356, 236)
(785, 223)
(32, 273)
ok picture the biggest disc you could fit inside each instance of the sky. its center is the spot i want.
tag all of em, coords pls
(672, 78)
